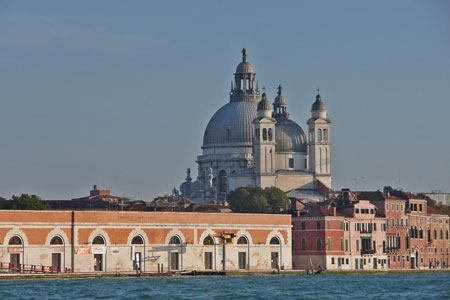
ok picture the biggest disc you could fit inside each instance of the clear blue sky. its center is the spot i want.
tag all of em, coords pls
(118, 93)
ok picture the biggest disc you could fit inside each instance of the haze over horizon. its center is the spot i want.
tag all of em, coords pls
(119, 94)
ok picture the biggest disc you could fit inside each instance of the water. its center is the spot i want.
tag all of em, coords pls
(376, 286)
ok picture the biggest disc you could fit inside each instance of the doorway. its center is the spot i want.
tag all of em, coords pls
(208, 260)
(274, 260)
(98, 262)
(375, 263)
(137, 261)
(56, 262)
(242, 259)
(15, 260)
(174, 265)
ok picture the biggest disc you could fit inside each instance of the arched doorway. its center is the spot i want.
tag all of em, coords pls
(274, 253)
(242, 255)
(138, 248)
(208, 253)
(57, 248)
(15, 252)
(174, 251)
(99, 251)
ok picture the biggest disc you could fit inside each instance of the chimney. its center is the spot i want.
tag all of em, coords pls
(95, 187)
(334, 211)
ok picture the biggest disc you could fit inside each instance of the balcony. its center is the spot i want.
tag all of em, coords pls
(365, 231)
(367, 251)
(391, 249)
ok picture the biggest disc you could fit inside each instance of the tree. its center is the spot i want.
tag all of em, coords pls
(27, 202)
(430, 202)
(387, 189)
(276, 198)
(252, 199)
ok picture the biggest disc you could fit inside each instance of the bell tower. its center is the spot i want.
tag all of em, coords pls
(264, 145)
(319, 141)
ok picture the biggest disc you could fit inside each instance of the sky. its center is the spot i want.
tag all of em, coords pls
(119, 93)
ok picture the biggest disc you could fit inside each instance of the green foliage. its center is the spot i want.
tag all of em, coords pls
(430, 202)
(27, 202)
(387, 189)
(252, 199)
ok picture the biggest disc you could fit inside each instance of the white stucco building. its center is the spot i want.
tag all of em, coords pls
(246, 142)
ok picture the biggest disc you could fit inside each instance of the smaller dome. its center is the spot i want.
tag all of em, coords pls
(264, 104)
(279, 99)
(318, 104)
(289, 137)
(244, 68)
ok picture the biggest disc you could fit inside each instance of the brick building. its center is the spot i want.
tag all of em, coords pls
(88, 241)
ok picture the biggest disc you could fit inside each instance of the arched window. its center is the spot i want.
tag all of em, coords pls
(325, 135)
(137, 240)
(175, 240)
(398, 241)
(56, 240)
(208, 241)
(303, 244)
(407, 241)
(441, 235)
(434, 234)
(274, 241)
(98, 240)
(265, 134)
(319, 134)
(270, 134)
(242, 241)
(15, 240)
(319, 244)
(223, 181)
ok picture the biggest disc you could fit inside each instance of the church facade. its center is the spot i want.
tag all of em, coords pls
(250, 142)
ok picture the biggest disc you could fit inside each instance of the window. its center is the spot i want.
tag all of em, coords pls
(223, 181)
(270, 134)
(319, 134)
(347, 226)
(387, 207)
(98, 240)
(342, 244)
(319, 244)
(303, 244)
(371, 211)
(441, 235)
(332, 260)
(15, 240)
(274, 241)
(387, 221)
(397, 207)
(325, 135)
(291, 163)
(306, 163)
(357, 210)
(328, 244)
(208, 241)
(374, 226)
(56, 240)
(434, 234)
(175, 240)
(420, 207)
(303, 225)
(137, 240)
(357, 245)
(265, 134)
(328, 225)
(318, 224)
(392, 207)
(346, 245)
(401, 207)
(393, 222)
(242, 241)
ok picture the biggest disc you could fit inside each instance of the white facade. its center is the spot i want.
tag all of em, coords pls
(236, 154)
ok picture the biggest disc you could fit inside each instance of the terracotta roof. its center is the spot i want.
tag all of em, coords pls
(435, 211)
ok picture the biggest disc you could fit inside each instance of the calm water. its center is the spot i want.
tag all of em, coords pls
(384, 286)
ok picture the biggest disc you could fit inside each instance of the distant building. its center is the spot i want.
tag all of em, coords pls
(440, 197)
(247, 142)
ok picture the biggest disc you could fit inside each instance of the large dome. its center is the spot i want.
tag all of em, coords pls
(289, 136)
(232, 124)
